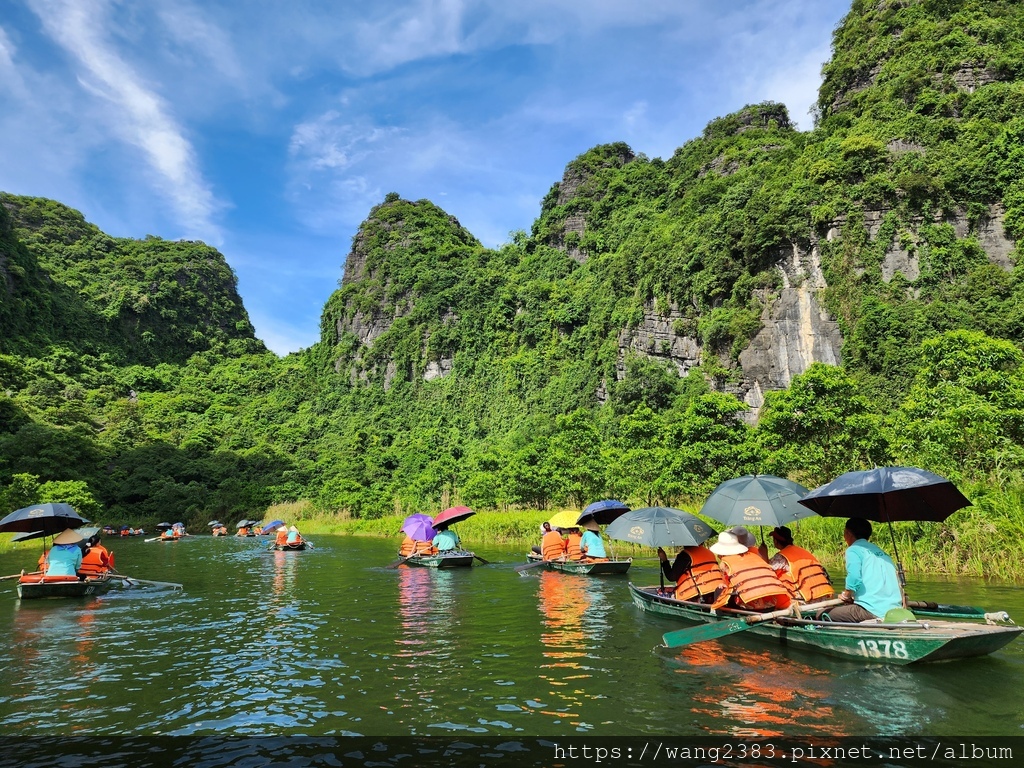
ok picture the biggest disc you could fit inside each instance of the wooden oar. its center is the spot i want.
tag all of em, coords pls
(132, 579)
(146, 541)
(940, 608)
(722, 628)
(482, 561)
(13, 576)
(400, 560)
(528, 566)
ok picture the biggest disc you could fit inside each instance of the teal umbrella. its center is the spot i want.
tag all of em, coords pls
(660, 527)
(757, 500)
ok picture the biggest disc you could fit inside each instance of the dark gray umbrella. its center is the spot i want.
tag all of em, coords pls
(46, 519)
(888, 494)
(602, 512)
(85, 533)
(757, 500)
(660, 527)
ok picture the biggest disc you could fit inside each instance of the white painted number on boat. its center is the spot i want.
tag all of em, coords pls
(876, 649)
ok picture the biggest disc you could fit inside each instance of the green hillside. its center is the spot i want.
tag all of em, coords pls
(765, 300)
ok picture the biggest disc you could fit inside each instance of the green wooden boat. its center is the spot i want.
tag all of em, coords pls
(454, 559)
(909, 643)
(290, 547)
(35, 586)
(581, 568)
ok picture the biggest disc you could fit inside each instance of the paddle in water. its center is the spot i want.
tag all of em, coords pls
(482, 561)
(722, 628)
(528, 566)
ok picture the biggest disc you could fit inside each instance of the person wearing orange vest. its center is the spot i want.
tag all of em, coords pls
(750, 582)
(242, 531)
(552, 547)
(168, 533)
(748, 539)
(97, 558)
(572, 544)
(798, 569)
(282, 537)
(696, 573)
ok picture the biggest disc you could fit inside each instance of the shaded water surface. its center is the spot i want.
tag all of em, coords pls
(329, 642)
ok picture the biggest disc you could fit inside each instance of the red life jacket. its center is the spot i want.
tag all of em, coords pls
(704, 576)
(807, 578)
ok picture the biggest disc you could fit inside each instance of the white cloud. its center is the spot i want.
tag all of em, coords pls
(141, 116)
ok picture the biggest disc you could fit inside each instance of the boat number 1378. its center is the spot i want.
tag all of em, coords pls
(877, 649)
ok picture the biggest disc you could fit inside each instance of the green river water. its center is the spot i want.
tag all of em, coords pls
(331, 643)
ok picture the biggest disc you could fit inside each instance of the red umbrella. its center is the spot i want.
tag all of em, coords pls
(453, 515)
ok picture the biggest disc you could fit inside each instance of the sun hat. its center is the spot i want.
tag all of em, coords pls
(68, 536)
(293, 528)
(743, 536)
(898, 616)
(591, 525)
(728, 544)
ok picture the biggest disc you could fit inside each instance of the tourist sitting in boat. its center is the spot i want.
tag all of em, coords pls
(696, 573)
(65, 556)
(591, 544)
(243, 530)
(446, 540)
(872, 585)
(282, 537)
(97, 558)
(220, 530)
(552, 546)
(294, 537)
(168, 533)
(750, 583)
(411, 546)
(572, 544)
(257, 530)
(798, 569)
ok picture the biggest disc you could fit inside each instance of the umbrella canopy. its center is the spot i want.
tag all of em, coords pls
(566, 519)
(452, 515)
(273, 525)
(888, 494)
(660, 527)
(163, 526)
(603, 512)
(757, 500)
(419, 527)
(213, 523)
(45, 518)
(243, 523)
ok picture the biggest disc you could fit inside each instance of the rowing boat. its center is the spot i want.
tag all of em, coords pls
(33, 586)
(906, 643)
(290, 547)
(583, 567)
(453, 559)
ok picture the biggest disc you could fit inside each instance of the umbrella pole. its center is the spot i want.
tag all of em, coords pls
(900, 575)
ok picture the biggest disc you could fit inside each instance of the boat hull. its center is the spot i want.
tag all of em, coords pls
(290, 547)
(581, 568)
(460, 560)
(874, 643)
(32, 589)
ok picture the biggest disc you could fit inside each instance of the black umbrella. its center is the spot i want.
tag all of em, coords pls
(888, 494)
(603, 512)
(45, 518)
(162, 526)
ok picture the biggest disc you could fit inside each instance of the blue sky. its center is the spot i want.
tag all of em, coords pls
(270, 128)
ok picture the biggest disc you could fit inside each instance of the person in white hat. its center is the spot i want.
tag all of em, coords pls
(65, 556)
(294, 537)
(751, 583)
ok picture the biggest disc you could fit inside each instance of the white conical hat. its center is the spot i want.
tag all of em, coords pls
(68, 536)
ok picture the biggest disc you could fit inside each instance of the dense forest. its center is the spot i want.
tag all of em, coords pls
(636, 343)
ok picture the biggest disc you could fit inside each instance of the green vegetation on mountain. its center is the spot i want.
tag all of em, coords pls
(521, 378)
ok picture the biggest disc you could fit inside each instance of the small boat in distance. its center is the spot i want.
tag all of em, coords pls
(585, 567)
(455, 558)
(873, 642)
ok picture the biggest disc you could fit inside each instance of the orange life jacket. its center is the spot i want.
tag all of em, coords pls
(751, 579)
(551, 546)
(242, 532)
(282, 537)
(96, 560)
(807, 579)
(704, 576)
(572, 546)
(167, 535)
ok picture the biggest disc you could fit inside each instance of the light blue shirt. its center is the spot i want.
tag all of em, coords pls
(592, 544)
(446, 541)
(871, 576)
(293, 537)
(63, 560)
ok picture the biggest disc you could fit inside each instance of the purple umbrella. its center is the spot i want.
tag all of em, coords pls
(419, 527)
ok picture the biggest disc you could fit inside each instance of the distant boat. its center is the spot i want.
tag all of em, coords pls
(584, 567)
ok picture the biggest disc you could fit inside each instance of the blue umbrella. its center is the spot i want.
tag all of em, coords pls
(273, 525)
(660, 527)
(45, 518)
(603, 512)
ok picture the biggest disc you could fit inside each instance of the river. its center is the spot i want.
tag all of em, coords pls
(331, 643)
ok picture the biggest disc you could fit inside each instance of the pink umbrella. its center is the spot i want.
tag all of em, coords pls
(419, 527)
(452, 515)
